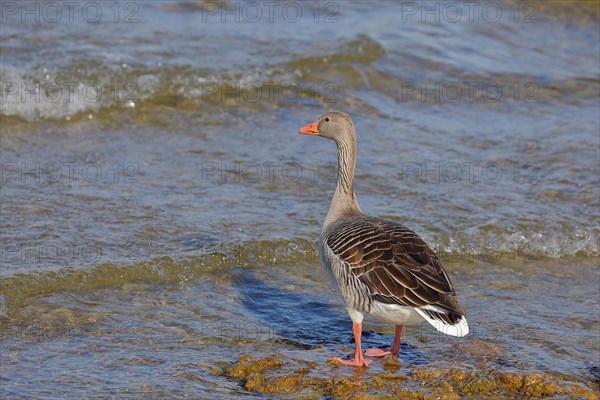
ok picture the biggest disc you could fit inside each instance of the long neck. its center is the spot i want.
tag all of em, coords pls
(344, 201)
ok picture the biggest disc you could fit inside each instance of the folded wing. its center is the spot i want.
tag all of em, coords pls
(397, 267)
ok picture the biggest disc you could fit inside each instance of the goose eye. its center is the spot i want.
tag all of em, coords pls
(326, 119)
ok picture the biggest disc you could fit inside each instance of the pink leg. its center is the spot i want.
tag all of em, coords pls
(359, 359)
(395, 350)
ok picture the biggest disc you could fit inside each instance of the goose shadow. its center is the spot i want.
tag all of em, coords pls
(307, 322)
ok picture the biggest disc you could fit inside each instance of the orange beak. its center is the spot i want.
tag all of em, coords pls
(311, 129)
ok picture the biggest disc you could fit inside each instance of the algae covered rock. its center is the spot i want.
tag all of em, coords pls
(390, 379)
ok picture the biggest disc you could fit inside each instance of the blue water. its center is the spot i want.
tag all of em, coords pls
(159, 212)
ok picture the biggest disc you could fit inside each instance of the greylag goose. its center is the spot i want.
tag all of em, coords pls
(379, 267)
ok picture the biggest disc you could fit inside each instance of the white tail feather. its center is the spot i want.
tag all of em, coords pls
(459, 329)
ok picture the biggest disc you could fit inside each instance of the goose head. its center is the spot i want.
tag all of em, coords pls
(333, 125)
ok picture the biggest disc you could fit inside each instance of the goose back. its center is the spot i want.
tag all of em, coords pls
(376, 260)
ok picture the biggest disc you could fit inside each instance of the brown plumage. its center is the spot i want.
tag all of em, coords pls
(393, 262)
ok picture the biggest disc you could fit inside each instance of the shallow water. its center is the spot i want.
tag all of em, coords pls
(160, 215)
